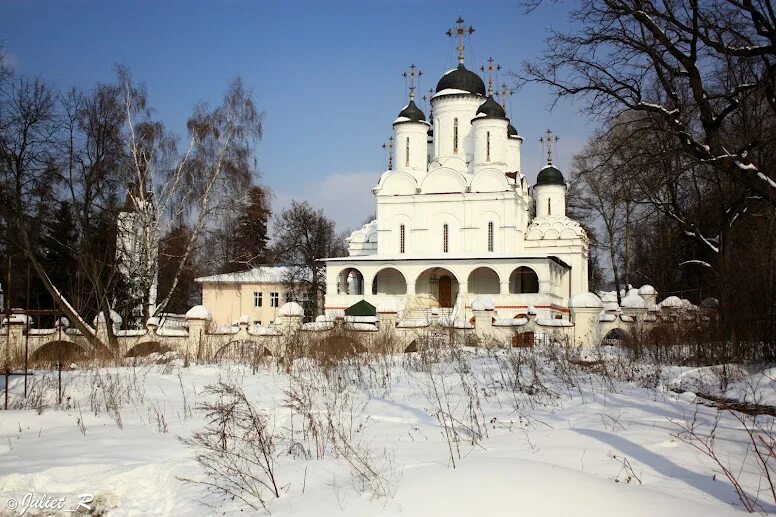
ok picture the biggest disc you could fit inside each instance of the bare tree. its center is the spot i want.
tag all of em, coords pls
(598, 194)
(194, 185)
(303, 236)
(694, 68)
(29, 125)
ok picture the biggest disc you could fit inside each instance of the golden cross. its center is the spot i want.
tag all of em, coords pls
(411, 75)
(459, 32)
(388, 146)
(490, 70)
(548, 140)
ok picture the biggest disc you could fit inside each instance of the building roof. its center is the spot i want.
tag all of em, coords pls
(361, 308)
(411, 113)
(491, 109)
(550, 175)
(257, 275)
(461, 79)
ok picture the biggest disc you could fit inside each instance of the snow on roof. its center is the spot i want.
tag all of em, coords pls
(586, 301)
(510, 322)
(291, 309)
(198, 312)
(483, 304)
(552, 322)
(361, 327)
(18, 318)
(405, 119)
(647, 289)
(634, 301)
(451, 91)
(257, 275)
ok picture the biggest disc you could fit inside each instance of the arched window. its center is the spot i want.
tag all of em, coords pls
(490, 236)
(549, 206)
(445, 239)
(487, 146)
(523, 280)
(455, 135)
(407, 152)
(401, 239)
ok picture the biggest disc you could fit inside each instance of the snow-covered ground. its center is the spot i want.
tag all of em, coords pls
(565, 441)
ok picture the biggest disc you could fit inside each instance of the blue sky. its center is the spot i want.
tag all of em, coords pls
(326, 74)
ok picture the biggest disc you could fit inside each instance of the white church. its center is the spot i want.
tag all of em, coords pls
(456, 218)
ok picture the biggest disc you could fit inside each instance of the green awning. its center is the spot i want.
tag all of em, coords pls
(362, 308)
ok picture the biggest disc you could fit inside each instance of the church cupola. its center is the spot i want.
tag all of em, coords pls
(550, 188)
(410, 134)
(458, 95)
(489, 126)
(411, 113)
(491, 109)
(460, 80)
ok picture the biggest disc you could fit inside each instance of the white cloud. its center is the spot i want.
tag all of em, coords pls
(344, 197)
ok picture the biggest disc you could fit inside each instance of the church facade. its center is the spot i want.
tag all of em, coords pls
(457, 219)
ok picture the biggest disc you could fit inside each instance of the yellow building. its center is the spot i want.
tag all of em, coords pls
(257, 293)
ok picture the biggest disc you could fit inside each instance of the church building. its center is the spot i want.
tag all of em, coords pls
(457, 220)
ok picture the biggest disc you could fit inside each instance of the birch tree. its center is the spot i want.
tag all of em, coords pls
(192, 185)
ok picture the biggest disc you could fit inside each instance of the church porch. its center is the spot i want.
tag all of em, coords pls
(449, 285)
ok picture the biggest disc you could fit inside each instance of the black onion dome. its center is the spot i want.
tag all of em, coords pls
(491, 109)
(550, 175)
(511, 131)
(413, 113)
(461, 79)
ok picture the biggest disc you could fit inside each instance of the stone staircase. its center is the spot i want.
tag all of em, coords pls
(419, 312)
